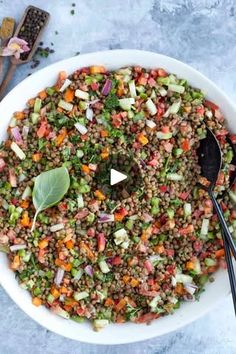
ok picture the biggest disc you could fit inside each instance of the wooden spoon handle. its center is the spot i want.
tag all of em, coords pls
(7, 79)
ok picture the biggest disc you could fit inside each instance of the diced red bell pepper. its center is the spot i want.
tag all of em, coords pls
(163, 188)
(186, 230)
(142, 80)
(94, 86)
(200, 110)
(153, 162)
(210, 105)
(116, 120)
(82, 214)
(186, 145)
(116, 260)
(233, 138)
(120, 214)
(184, 195)
(43, 129)
(91, 232)
(169, 252)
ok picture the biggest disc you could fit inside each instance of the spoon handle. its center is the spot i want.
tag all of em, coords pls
(224, 226)
(7, 79)
(230, 268)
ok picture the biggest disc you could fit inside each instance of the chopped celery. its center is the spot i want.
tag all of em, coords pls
(232, 196)
(170, 213)
(37, 105)
(176, 88)
(187, 209)
(132, 89)
(174, 177)
(177, 152)
(209, 262)
(104, 267)
(65, 105)
(80, 295)
(126, 103)
(82, 94)
(151, 107)
(163, 136)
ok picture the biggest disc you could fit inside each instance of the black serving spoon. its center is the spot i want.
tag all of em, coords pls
(210, 160)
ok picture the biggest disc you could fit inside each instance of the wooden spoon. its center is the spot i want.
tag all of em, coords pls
(6, 32)
(31, 14)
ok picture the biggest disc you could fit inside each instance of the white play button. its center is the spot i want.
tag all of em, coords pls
(116, 177)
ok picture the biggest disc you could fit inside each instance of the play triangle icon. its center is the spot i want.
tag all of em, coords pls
(116, 177)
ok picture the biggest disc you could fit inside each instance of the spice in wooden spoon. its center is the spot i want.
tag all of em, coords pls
(6, 32)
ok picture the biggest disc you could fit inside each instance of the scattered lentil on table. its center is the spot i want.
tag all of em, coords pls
(135, 259)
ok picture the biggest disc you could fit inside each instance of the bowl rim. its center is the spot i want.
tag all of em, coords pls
(132, 56)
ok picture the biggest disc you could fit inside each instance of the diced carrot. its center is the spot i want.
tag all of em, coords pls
(61, 137)
(190, 265)
(24, 204)
(36, 301)
(43, 243)
(25, 221)
(31, 102)
(143, 139)
(69, 244)
(61, 78)
(109, 302)
(121, 214)
(120, 90)
(55, 293)
(63, 290)
(99, 195)
(69, 95)
(220, 253)
(85, 248)
(132, 261)
(95, 69)
(179, 289)
(19, 115)
(120, 319)
(43, 129)
(134, 283)
(159, 249)
(42, 94)
(186, 145)
(104, 133)
(126, 279)
(212, 269)
(15, 263)
(186, 230)
(85, 169)
(121, 304)
(105, 153)
(37, 157)
(66, 266)
(146, 234)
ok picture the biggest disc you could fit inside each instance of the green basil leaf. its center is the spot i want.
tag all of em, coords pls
(49, 188)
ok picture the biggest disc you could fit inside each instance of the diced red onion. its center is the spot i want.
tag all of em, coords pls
(107, 87)
(93, 102)
(89, 114)
(189, 298)
(190, 288)
(147, 217)
(59, 276)
(25, 131)
(17, 135)
(15, 248)
(93, 166)
(143, 164)
(89, 270)
(106, 218)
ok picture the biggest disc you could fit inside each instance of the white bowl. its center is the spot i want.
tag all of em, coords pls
(114, 333)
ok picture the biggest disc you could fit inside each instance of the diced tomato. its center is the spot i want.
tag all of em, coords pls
(169, 252)
(186, 145)
(82, 214)
(160, 112)
(168, 146)
(184, 195)
(134, 128)
(116, 260)
(142, 80)
(186, 230)
(165, 129)
(210, 105)
(138, 69)
(163, 219)
(223, 206)
(2, 164)
(233, 138)
(43, 129)
(197, 246)
(161, 73)
(80, 311)
(163, 188)
(91, 232)
(62, 206)
(200, 110)
(153, 162)
(94, 86)
(171, 269)
(220, 179)
(101, 242)
(222, 132)
(151, 82)
(14, 201)
(148, 266)
(148, 317)
(116, 120)
(153, 73)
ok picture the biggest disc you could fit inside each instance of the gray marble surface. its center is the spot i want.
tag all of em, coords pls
(201, 33)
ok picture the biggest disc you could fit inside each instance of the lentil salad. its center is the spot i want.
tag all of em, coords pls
(93, 257)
